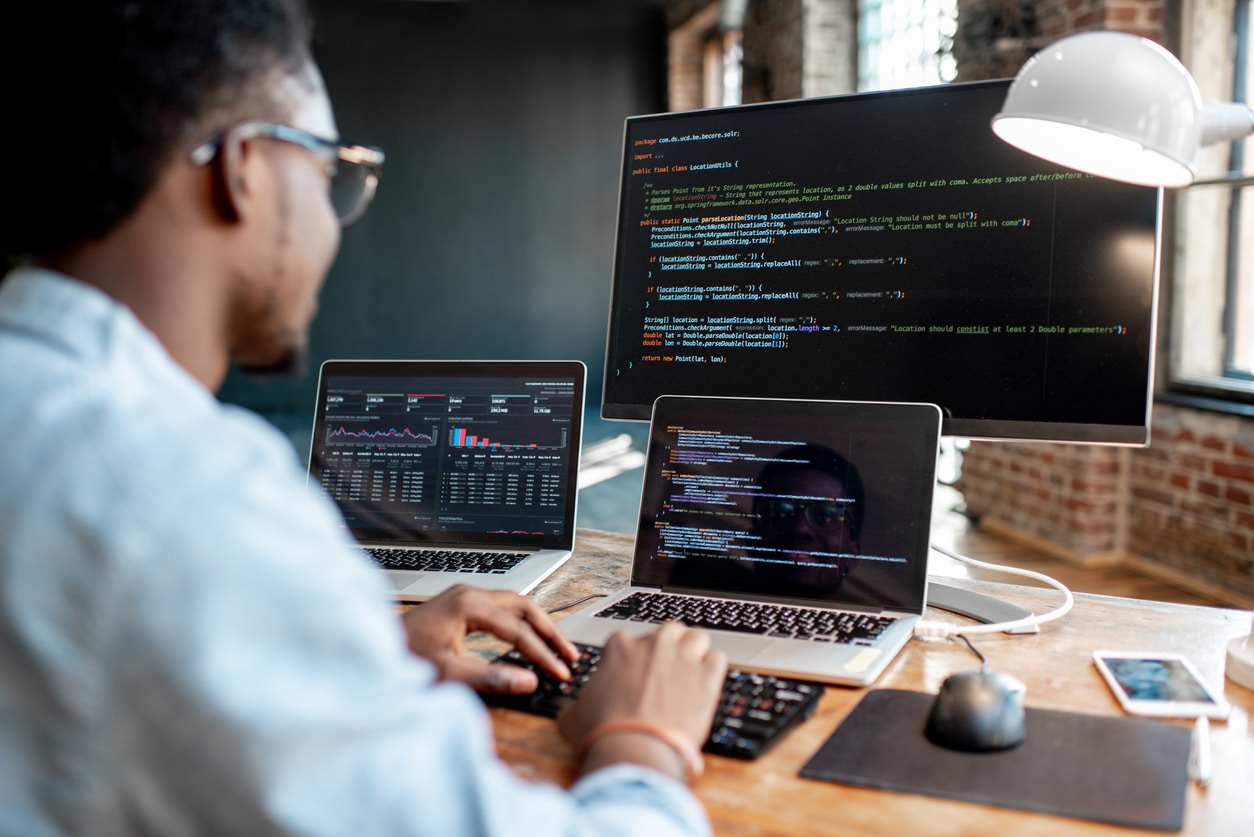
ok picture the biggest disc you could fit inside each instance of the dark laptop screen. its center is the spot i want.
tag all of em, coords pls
(817, 500)
(463, 452)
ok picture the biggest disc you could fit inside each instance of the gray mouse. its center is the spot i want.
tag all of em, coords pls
(978, 711)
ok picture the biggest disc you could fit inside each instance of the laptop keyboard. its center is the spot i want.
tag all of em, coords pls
(754, 712)
(445, 561)
(751, 617)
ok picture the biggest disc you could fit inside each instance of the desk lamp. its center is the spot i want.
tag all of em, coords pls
(1117, 106)
(1122, 107)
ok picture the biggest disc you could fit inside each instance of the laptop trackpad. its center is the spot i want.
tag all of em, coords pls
(741, 648)
(805, 656)
(400, 581)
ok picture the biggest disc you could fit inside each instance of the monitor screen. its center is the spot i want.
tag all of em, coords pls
(882, 247)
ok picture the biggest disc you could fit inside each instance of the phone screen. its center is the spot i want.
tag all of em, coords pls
(1157, 679)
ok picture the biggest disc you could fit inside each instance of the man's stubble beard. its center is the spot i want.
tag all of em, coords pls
(292, 365)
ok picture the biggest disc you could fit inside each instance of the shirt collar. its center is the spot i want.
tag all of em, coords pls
(74, 316)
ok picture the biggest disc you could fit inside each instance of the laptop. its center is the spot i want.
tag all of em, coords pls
(453, 471)
(795, 531)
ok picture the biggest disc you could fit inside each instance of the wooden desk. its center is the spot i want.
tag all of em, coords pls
(766, 797)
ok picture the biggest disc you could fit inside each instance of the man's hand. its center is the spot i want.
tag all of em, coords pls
(671, 678)
(437, 629)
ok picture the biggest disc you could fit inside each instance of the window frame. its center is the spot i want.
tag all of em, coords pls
(932, 23)
(1227, 388)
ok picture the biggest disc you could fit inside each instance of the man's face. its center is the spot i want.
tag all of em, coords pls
(814, 522)
(298, 242)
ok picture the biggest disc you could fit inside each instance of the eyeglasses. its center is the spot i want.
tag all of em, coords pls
(354, 168)
(818, 514)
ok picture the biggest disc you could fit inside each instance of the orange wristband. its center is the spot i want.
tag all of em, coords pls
(687, 753)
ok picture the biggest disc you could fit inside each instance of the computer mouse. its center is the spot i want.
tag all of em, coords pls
(978, 711)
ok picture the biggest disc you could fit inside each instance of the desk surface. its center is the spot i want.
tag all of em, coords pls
(766, 797)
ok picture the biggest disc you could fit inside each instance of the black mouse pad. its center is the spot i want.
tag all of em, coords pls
(1121, 770)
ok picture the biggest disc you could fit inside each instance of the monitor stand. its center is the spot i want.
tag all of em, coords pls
(984, 609)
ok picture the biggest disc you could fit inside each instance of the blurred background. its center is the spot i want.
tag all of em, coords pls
(492, 235)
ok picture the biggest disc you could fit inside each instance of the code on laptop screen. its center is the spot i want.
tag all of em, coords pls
(828, 501)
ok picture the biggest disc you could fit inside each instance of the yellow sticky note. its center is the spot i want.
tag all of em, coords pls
(863, 660)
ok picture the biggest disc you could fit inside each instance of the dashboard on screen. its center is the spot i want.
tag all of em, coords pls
(882, 247)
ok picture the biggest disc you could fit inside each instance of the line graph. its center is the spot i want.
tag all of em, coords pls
(392, 436)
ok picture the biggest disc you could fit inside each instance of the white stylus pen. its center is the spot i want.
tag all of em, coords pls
(1201, 751)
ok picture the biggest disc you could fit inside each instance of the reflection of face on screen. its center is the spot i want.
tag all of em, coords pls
(767, 498)
(807, 518)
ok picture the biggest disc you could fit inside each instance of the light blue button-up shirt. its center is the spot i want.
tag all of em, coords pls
(188, 645)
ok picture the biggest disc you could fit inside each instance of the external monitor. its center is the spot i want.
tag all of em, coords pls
(882, 247)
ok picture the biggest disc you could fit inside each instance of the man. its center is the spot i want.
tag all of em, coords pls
(809, 512)
(188, 644)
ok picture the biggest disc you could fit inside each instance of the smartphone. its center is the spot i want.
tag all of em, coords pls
(1158, 685)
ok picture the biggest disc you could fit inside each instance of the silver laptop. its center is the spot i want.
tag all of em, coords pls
(455, 471)
(796, 532)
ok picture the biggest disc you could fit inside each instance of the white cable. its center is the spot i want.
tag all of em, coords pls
(943, 629)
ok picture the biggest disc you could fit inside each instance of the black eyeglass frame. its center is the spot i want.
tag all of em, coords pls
(368, 157)
(775, 513)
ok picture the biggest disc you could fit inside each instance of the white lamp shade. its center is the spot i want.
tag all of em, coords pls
(1110, 104)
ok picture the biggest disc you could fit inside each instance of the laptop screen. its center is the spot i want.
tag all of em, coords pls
(457, 452)
(813, 500)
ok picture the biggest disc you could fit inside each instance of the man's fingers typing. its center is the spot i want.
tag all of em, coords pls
(486, 677)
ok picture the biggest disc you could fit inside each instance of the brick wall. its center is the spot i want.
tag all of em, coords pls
(1191, 501)
(773, 48)
(995, 37)
(1182, 508)
(1067, 499)
(792, 49)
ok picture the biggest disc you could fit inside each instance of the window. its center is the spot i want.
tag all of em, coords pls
(1211, 326)
(906, 43)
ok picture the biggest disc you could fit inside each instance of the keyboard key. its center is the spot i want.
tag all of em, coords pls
(753, 713)
(810, 624)
(447, 561)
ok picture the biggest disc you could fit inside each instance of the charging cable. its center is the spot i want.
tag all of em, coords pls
(928, 628)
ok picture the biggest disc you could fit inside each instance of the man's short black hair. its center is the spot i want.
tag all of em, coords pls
(827, 461)
(98, 94)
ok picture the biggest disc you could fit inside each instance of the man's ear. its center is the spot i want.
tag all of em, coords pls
(234, 189)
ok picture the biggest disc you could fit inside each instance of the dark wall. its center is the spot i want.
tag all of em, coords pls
(492, 233)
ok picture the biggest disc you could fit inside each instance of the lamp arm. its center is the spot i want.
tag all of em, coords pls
(1223, 121)
(1232, 180)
